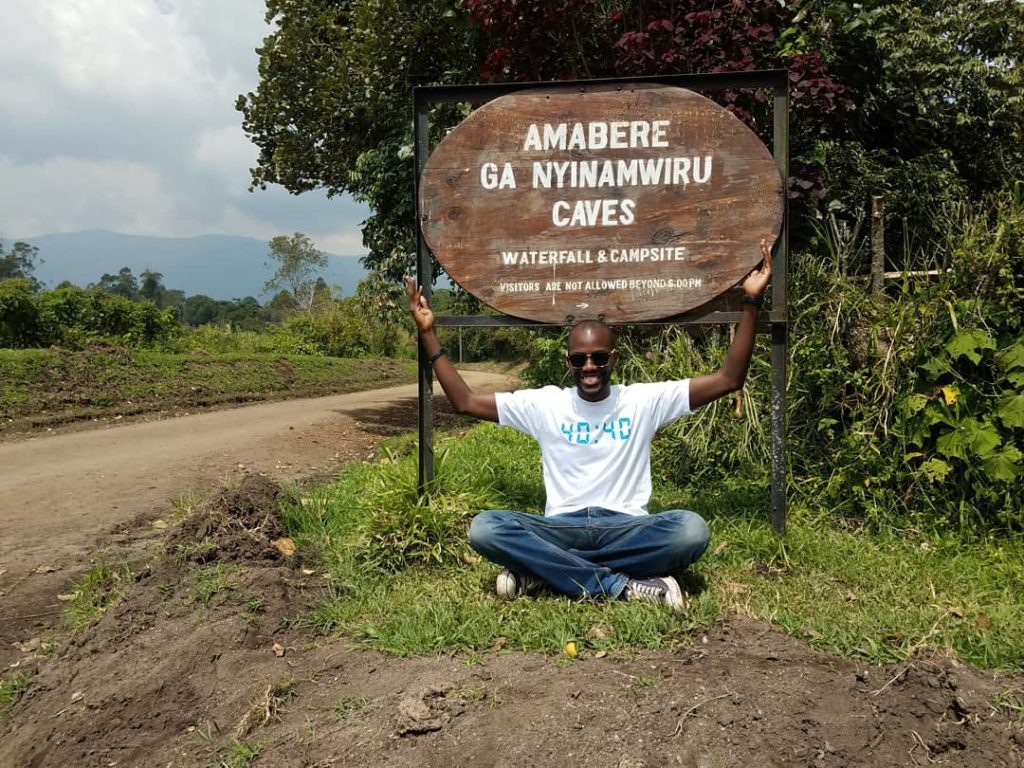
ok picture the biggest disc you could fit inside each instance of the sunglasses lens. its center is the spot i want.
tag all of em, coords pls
(579, 359)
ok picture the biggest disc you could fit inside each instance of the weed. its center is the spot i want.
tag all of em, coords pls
(404, 529)
(471, 693)
(646, 681)
(11, 689)
(348, 705)
(210, 582)
(475, 694)
(195, 551)
(237, 754)
(1010, 700)
(49, 646)
(266, 708)
(636, 683)
(182, 506)
(252, 607)
(95, 592)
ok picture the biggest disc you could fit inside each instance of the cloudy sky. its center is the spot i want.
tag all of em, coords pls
(119, 115)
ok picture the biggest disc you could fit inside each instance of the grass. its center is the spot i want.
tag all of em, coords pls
(196, 551)
(877, 597)
(44, 387)
(96, 591)
(210, 584)
(252, 607)
(404, 581)
(1010, 700)
(236, 754)
(11, 689)
(182, 506)
(238, 751)
(348, 705)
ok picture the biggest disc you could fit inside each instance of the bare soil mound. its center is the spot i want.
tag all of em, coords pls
(202, 663)
(236, 525)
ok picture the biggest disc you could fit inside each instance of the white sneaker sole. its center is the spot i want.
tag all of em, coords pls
(506, 586)
(675, 598)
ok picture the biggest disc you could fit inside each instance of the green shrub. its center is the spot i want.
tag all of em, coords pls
(21, 324)
(905, 407)
(399, 528)
(346, 328)
(963, 420)
(403, 528)
(546, 361)
(71, 317)
(66, 307)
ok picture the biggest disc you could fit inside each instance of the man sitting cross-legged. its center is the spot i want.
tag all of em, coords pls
(596, 537)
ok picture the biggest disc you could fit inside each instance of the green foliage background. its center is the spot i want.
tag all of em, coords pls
(905, 408)
(920, 103)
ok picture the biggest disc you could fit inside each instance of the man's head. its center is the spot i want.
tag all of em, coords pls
(591, 358)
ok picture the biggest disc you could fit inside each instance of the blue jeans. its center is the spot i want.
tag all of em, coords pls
(592, 551)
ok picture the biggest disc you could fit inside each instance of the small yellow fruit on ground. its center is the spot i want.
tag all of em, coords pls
(570, 649)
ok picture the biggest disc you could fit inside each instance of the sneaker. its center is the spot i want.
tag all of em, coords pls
(664, 590)
(511, 585)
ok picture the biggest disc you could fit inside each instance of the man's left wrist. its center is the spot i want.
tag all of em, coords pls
(757, 301)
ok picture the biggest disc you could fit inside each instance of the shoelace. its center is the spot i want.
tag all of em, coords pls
(646, 590)
(524, 582)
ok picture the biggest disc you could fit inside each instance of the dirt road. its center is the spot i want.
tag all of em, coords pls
(63, 495)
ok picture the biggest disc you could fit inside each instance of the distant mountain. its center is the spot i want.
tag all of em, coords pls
(220, 266)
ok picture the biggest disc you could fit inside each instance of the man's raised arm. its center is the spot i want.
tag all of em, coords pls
(732, 374)
(463, 399)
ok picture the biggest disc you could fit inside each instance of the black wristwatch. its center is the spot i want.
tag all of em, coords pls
(757, 301)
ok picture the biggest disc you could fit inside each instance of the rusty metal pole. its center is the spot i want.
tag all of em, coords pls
(780, 328)
(877, 244)
(424, 274)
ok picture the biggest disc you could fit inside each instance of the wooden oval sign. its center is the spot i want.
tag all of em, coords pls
(631, 203)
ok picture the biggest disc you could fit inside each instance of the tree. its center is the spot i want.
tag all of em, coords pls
(298, 261)
(199, 310)
(245, 314)
(20, 324)
(122, 284)
(918, 102)
(921, 103)
(333, 105)
(280, 307)
(173, 297)
(19, 262)
(152, 287)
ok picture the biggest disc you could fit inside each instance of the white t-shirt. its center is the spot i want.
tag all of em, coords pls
(595, 454)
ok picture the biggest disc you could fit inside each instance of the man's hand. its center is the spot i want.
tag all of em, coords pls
(757, 280)
(420, 310)
(463, 399)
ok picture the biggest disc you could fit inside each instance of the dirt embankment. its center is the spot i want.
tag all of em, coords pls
(183, 672)
(65, 496)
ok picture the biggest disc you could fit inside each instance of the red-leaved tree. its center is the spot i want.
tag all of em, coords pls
(536, 40)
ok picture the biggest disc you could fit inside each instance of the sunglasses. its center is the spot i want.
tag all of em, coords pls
(579, 359)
